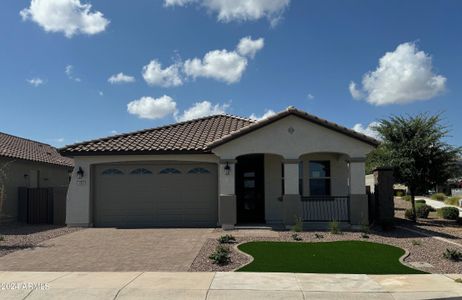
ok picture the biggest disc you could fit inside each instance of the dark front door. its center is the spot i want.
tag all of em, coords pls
(250, 191)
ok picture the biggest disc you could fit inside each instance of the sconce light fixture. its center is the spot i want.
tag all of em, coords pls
(227, 169)
(80, 173)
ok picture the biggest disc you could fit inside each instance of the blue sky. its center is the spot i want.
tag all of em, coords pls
(300, 53)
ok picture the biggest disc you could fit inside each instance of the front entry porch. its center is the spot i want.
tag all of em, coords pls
(316, 188)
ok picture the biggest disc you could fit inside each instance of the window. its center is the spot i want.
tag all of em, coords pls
(112, 171)
(169, 171)
(199, 171)
(319, 171)
(140, 171)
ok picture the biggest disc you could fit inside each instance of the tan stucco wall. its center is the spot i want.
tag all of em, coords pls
(273, 189)
(306, 138)
(78, 209)
(50, 176)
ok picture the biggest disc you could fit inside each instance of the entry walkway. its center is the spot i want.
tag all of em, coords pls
(182, 285)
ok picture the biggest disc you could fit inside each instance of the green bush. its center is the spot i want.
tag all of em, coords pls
(453, 200)
(416, 243)
(452, 254)
(226, 239)
(406, 198)
(221, 255)
(409, 214)
(439, 196)
(298, 224)
(334, 227)
(399, 193)
(296, 237)
(448, 213)
(421, 201)
(318, 236)
(422, 210)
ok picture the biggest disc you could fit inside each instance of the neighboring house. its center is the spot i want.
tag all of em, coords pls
(26, 163)
(222, 170)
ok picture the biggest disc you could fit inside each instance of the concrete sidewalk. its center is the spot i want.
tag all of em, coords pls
(171, 285)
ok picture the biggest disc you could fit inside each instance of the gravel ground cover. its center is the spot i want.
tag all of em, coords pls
(15, 237)
(421, 248)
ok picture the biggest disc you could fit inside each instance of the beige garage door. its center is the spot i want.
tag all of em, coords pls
(149, 194)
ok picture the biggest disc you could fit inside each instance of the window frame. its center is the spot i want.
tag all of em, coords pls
(327, 179)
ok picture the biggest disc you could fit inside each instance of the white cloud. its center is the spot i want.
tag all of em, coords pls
(101, 93)
(68, 16)
(268, 113)
(249, 47)
(69, 70)
(310, 97)
(355, 93)
(403, 76)
(218, 64)
(114, 132)
(153, 74)
(152, 108)
(239, 10)
(35, 81)
(121, 78)
(178, 2)
(202, 109)
(368, 130)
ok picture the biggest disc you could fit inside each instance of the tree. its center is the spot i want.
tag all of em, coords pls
(414, 147)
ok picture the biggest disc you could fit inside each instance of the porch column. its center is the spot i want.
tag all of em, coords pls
(291, 198)
(227, 194)
(359, 213)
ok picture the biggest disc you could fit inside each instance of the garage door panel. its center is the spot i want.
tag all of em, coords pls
(153, 198)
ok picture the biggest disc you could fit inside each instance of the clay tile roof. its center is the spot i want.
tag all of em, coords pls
(185, 137)
(195, 136)
(19, 148)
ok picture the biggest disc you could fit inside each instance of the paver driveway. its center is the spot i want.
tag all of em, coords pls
(110, 249)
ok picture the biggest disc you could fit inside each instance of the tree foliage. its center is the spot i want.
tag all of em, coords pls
(414, 147)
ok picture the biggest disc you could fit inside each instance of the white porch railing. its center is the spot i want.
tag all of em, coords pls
(326, 208)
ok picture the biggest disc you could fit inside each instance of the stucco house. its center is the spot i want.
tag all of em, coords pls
(31, 164)
(222, 170)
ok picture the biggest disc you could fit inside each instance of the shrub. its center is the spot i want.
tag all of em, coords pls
(452, 254)
(296, 237)
(334, 227)
(458, 280)
(365, 230)
(226, 239)
(416, 243)
(439, 196)
(298, 225)
(409, 214)
(448, 213)
(221, 255)
(453, 200)
(407, 198)
(318, 236)
(420, 201)
(422, 210)
(2, 238)
(399, 193)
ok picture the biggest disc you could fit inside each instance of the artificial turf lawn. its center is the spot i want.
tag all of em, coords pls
(348, 257)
